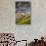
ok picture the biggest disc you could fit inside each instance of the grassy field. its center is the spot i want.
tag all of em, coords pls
(23, 19)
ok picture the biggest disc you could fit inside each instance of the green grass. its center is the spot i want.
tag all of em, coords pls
(24, 20)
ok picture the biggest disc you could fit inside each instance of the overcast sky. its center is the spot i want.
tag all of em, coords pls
(23, 6)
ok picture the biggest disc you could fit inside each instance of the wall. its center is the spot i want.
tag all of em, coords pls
(38, 26)
(29, 32)
(7, 16)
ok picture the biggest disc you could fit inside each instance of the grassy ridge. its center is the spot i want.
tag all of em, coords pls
(24, 20)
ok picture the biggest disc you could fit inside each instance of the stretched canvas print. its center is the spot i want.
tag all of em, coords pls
(23, 12)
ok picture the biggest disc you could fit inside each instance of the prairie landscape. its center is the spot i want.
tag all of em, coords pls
(23, 13)
(23, 18)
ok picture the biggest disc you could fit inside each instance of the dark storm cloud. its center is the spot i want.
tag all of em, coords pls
(22, 4)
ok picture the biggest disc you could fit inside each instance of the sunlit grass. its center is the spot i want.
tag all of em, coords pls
(24, 20)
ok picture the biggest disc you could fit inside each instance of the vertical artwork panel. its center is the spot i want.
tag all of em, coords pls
(23, 12)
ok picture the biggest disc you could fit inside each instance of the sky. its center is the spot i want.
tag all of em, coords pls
(23, 6)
